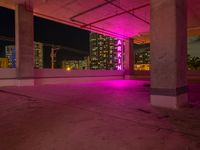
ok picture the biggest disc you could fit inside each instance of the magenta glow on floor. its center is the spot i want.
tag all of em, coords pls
(107, 115)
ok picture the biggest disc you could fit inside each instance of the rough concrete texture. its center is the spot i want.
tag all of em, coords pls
(24, 35)
(106, 115)
(168, 44)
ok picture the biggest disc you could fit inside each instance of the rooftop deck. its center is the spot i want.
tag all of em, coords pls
(106, 115)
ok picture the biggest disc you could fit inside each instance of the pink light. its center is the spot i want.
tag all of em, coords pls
(119, 55)
(119, 42)
(119, 48)
(119, 67)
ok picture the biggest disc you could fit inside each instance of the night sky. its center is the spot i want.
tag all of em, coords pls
(7, 22)
(51, 32)
(47, 31)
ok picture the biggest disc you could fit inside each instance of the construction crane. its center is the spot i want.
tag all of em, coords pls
(59, 47)
(54, 51)
(69, 49)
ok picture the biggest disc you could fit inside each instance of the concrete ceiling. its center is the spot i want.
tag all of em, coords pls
(119, 18)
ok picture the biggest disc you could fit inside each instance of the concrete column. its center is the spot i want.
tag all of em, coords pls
(168, 53)
(24, 45)
(128, 58)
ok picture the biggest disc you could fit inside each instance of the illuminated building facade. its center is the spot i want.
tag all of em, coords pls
(3, 62)
(76, 64)
(106, 52)
(142, 57)
(38, 55)
(10, 52)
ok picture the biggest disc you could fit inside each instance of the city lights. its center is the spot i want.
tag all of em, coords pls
(68, 68)
(105, 52)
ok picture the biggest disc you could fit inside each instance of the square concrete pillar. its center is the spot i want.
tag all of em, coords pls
(128, 58)
(168, 53)
(24, 45)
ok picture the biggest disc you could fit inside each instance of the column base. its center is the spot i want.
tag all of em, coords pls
(172, 102)
(25, 82)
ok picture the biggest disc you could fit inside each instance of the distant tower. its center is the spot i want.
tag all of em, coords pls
(104, 52)
(10, 52)
(53, 56)
(38, 55)
(11, 56)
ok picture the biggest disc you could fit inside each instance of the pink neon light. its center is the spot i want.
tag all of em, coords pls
(119, 48)
(119, 55)
(119, 67)
(119, 42)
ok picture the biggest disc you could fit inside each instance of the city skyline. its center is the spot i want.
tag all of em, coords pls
(47, 31)
(57, 33)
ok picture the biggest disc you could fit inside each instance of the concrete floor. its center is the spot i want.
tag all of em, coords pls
(108, 115)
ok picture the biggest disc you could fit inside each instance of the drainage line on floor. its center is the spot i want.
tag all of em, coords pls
(16, 94)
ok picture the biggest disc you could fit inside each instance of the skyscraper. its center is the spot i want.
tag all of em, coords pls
(38, 55)
(11, 56)
(76, 64)
(106, 52)
(10, 52)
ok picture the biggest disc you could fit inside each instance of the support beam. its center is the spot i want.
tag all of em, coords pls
(129, 58)
(24, 45)
(7, 4)
(168, 53)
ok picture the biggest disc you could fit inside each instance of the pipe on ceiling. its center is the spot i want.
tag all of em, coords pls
(91, 9)
(118, 14)
(79, 24)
